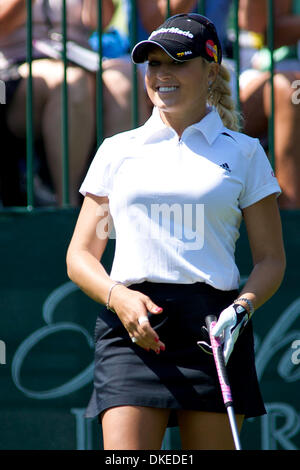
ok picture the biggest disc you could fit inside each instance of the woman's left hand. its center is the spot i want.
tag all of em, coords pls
(230, 324)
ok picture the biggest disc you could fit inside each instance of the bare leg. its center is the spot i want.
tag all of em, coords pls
(47, 79)
(134, 428)
(16, 116)
(117, 96)
(206, 431)
(81, 128)
(255, 99)
(287, 139)
(252, 99)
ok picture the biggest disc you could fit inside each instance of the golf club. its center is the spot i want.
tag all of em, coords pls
(216, 347)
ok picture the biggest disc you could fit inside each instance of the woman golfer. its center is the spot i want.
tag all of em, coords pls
(176, 190)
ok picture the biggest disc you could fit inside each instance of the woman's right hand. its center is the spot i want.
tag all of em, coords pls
(131, 305)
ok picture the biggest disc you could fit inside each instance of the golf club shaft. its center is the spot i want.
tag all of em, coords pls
(210, 321)
(234, 429)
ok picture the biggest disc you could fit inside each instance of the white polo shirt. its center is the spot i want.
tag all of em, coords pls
(176, 204)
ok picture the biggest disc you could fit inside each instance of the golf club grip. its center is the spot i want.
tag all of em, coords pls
(210, 321)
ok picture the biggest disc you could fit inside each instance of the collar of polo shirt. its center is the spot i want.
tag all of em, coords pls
(211, 126)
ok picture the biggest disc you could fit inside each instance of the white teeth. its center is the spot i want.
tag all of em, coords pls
(165, 89)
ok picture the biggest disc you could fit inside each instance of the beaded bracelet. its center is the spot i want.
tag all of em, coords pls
(109, 294)
(248, 302)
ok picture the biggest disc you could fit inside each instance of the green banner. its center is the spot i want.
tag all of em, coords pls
(47, 341)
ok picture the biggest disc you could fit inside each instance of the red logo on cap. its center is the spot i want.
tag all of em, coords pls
(211, 49)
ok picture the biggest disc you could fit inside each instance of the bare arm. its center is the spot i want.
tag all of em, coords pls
(287, 25)
(253, 16)
(90, 13)
(153, 13)
(85, 269)
(12, 15)
(265, 237)
(85, 251)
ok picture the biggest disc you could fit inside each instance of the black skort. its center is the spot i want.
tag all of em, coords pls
(183, 376)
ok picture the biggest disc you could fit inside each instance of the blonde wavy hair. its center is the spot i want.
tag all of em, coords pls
(219, 96)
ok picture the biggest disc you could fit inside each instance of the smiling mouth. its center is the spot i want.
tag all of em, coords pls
(166, 89)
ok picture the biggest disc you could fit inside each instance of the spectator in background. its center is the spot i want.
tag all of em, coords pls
(255, 87)
(153, 13)
(47, 80)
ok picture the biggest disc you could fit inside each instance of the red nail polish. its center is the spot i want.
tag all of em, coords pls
(156, 339)
(162, 348)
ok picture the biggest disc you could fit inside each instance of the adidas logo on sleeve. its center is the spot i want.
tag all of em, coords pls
(225, 166)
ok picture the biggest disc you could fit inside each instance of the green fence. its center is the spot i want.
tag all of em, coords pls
(47, 323)
(99, 88)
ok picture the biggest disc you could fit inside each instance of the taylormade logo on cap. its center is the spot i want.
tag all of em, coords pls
(182, 37)
(173, 31)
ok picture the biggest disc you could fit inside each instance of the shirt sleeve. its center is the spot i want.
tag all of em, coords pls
(98, 178)
(260, 179)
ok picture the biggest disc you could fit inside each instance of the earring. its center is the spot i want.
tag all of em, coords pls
(209, 88)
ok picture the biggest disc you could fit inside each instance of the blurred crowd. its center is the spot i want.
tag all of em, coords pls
(82, 27)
